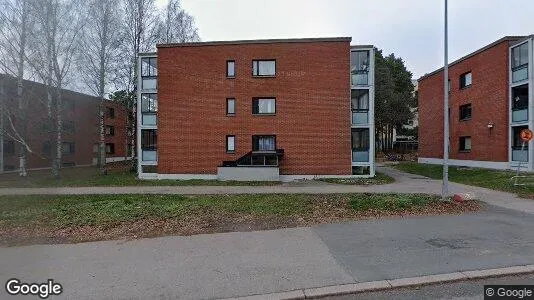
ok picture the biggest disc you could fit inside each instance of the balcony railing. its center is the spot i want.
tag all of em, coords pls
(360, 155)
(149, 155)
(519, 115)
(360, 117)
(519, 155)
(520, 73)
(360, 78)
(148, 83)
(149, 119)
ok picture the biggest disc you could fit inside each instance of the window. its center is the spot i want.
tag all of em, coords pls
(110, 112)
(9, 147)
(110, 130)
(110, 148)
(263, 106)
(360, 139)
(67, 148)
(360, 144)
(520, 103)
(520, 62)
(465, 80)
(149, 72)
(465, 112)
(263, 143)
(361, 170)
(149, 141)
(520, 56)
(68, 105)
(149, 108)
(46, 126)
(230, 143)
(230, 106)
(68, 126)
(359, 67)
(264, 67)
(465, 144)
(47, 148)
(519, 148)
(360, 106)
(230, 68)
(449, 85)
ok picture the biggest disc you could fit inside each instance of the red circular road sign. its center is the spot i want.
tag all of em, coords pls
(526, 135)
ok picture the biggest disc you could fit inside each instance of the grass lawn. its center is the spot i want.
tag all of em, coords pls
(491, 179)
(77, 218)
(90, 176)
(379, 178)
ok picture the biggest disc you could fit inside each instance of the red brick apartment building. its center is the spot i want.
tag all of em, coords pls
(490, 102)
(80, 128)
(256, 110)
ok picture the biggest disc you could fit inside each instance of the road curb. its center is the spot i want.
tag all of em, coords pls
(353, 288)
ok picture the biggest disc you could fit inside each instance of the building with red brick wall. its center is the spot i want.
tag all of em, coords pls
(256, 110)
(484, 115)
(80, 128)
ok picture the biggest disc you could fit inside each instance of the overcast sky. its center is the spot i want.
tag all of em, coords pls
(412, 29)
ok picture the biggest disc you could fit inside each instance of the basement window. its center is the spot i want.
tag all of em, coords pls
(465, 144)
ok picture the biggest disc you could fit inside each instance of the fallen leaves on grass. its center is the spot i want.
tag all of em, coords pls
(319, 209)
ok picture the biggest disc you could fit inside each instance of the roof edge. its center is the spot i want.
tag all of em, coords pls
(503, 39)
(264, 41)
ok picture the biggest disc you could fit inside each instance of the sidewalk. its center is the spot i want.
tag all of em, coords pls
(405, 183)
(249, 263)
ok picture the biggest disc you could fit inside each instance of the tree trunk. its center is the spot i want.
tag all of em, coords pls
(102, 141)
(59, 128)
(23, 129)
(1, 125)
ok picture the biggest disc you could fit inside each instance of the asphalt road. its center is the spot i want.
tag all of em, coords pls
(470, 289)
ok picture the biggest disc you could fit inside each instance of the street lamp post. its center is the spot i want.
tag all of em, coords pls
(445, 185)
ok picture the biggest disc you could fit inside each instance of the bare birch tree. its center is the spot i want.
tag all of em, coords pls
(178, 26)
(14, 30)
(100, 44)
(56, 43)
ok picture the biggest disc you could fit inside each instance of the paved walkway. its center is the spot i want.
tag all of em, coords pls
(404, 183)
(248, 263)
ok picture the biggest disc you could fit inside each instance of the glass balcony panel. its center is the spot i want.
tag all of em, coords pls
(360, 78)
(520, 155)
(149, 155)
(360, 117)
(149, 119)
(149, 84)
(520, 115)
(360, 155)
(520, 74)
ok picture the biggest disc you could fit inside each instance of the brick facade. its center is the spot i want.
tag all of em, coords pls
(80, 127)
(488, 96)
(312, 121)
